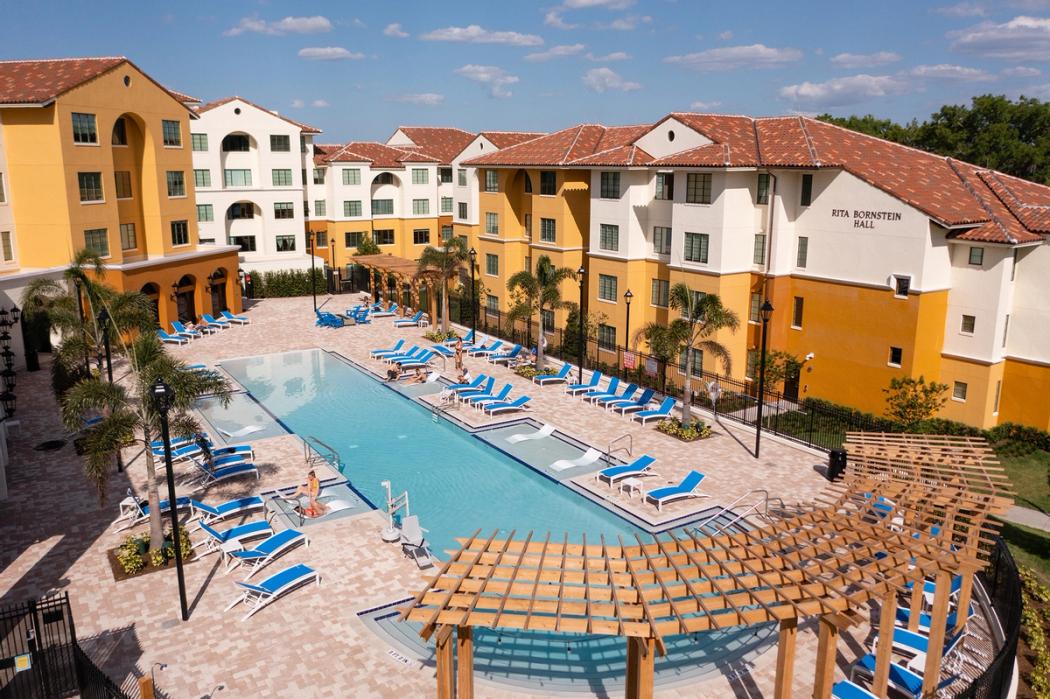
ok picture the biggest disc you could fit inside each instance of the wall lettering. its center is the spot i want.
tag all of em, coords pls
(863, 218)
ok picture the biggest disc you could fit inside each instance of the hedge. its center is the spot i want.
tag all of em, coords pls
(286, 283)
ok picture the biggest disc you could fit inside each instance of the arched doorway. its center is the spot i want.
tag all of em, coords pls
(217, 281)
(152, 292)
(129, 141)
(184, 303)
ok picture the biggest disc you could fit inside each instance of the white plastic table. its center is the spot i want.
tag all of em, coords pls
(631, 486)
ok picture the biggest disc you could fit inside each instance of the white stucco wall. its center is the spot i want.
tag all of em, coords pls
(1029, 332)
(469, 193)
(982, 291)
(671, 136)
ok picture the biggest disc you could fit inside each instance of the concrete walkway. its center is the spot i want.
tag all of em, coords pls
(1029, 518)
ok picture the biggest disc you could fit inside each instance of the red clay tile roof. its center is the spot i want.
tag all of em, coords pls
(506, 139)
(323, 150)
(564, 147)
(440, 142)
(306, 128)
(737, 133)
(1028, 201)
(183, 97)
(40, 82)
(379, 155)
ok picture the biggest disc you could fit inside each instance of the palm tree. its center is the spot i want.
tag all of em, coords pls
(129, 416)
(443, 265)
(702, 315)
(665, 342)
(535, 293)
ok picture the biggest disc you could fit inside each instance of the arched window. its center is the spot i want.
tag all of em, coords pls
(236, 142)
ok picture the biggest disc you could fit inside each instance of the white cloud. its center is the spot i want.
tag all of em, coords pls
(946, 71)
(356, 23)
(298, 104)
(288, 25)
(395, 31)
(475, 34)
(607, 4)
(609, 57)
(702, 106)
(320, 104)
(492, 77)
(842, 91)
(862, 60)
(1020, 39)
(733, 57)
(605, 79)
(1036, 5)
(556, 52)
(726, 35)
(962, 9)
(554, 19)
(1022, 72)
(329, 53)
(427, 98)
(1040, 91)
(626, 24)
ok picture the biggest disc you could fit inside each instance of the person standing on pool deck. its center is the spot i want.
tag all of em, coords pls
(312, 488)
(459, 353)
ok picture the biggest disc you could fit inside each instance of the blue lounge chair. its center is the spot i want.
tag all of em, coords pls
(389, 350)
(685, 489)
(215, 322)
(221, 469)
(625, 405)
(610, 390)
(443, 351)
(458, 387)
(412, 351)
(660, 413)
(264, 552)
(420, 360)
(516, 404)
(478, 401)
(210, 514)
(628, 392)
(362, 317)
(575, 388)
(906, 680)
(237, 320)
(844, 689)
(486, 351)
(561, 376)
(639, 466)
(192, 449)
(485, 388)
(328, 320)
(172, 339)
(255, 597)
(904, 616)
(181, 330)
(214, 539)
(379, 313)
(409, 322)
(135, 510)
(917, 645)
(505, 356)
(468, 339)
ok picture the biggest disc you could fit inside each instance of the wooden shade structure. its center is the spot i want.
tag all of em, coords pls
(907, 511)
(405, 271)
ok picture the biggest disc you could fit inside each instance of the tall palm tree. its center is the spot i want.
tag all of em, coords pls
(129, 416)
(665, 342)
(443, 265)
(535, 293)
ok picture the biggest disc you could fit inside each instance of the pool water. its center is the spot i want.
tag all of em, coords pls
(243, 420)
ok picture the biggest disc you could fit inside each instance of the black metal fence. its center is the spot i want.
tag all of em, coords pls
(40, 658)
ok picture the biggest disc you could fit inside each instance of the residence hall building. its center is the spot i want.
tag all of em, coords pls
(880, 260)
(250, 167)
(96, 154)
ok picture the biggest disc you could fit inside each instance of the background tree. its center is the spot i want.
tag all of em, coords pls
(910, 401)
(367, 246)
(781, 366)
(536, 292)
(442, 266)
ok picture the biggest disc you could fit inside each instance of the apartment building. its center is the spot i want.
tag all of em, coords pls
(96, 154)
(879, 260)
(250, 170)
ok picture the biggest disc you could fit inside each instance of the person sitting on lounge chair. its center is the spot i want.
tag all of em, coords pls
(393, 373)
(311, 489)
(419, 377)
(464, 376)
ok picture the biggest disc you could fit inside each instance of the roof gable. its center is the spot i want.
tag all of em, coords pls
(204, 108)
(40, 82)
(378, 155)
(442, 143)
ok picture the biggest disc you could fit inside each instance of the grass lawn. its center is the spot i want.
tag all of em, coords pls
(1030, 547)
(1028, 475)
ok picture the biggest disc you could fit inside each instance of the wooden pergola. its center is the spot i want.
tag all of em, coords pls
(403, 270)
(884, 529)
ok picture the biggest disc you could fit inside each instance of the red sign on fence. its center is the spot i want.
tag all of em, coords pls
(630, 360)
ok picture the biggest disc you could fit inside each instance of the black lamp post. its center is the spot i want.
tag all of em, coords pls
(627, 296)
(767, 312)
(313, 282)
(162, 399)
(582, 320)
(473, 303)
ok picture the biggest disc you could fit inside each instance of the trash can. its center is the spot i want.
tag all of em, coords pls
(836, 463)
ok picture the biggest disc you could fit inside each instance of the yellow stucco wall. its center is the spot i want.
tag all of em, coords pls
(979, 406)
(1025, 388)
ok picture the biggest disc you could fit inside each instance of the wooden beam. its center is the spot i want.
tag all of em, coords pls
(640, 657)
(827, 647)
(916, 604)
(884, 652)
(931, 675)
(785, 658)
(445, 663)
(464, 662)
(962, 605)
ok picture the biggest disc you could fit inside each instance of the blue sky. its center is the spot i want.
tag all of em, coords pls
(358, 69)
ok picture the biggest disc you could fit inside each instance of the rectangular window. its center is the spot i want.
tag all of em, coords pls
(176, 183)
(754, 311)
(319, 175)
(1006, 329)
(462, 210)
(351, 208)
(751, 370)
(172, 133)
(120, 133)
(246, 242)
(763, 188)
(491, 181)
(491, 223)
(3, 192)
(421, 236)
(84, 130)
(968, 324)
(180, 233)
(384, 236)
(665, 186)
(547, 318)
(201, 178)
(610, 185)
(382, 207)
(199, 142)
(205, 212)
(283, 209)
(445, 175)
(285, 243)
(548, 231)
(896, 356)
(698, 188)
(351, 175)
(802, 254)
(662, 240)
(127, 236)
(280, 144)
(759, 256)
(237, 178)
(461, 174)
(420, 207)
(321, 239)
(353, 238)
(901, 286)
(661, 289)
(320, 207)
(282, 177)
(96, 240)
(696, 247)
(796, 312)
(695, 297)
(607, 337)
(977, 256)
(609, 237)
(607, 287)
(122, 180)
(548, 183)
(90, 186)
(807, 190)
(7, 246)
(528, 264)
(697, 367)
(959, 391)
(528, 226)
(419, 175)
(446, 205)
(446, 233)
(492, 303)
(492, 264)
(998, 391)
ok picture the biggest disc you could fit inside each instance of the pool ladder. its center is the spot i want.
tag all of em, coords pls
(629, 448)
(760, 507)
(315, 451)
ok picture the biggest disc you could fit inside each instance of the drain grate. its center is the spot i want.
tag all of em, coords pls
(50, 445)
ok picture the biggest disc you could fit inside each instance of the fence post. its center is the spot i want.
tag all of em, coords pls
(809, 441)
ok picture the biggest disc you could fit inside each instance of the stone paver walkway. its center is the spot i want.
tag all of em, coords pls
(1028, 517)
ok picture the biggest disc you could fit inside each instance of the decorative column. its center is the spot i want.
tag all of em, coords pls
(640, 652)
(827, 646)
(887, 617)
(446, 687)
(464, 662)
(938, 621)
(785, 658)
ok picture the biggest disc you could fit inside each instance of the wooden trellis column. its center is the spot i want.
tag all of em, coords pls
(917, 598)
(640, 657)
(785, 658)
(446, 688)
(884, 653)
(464, 662)
(962, 606)
(827, 647)
(931, 676)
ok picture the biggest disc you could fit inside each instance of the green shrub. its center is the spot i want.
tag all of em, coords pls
(287, 282)
(690, 432)
(129, 553)
(438, 336)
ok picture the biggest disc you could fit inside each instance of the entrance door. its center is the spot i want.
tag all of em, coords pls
(791, 387)
(218, 298)
(186, 308)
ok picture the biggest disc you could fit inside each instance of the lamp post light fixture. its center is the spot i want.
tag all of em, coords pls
(473, 302)
(163, 396)
(767, 312)
(582, 321)
(627, 296)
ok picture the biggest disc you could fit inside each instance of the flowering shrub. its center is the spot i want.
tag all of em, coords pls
(1034, 621)
(134, 552)
(687, 432)
(438, 336)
